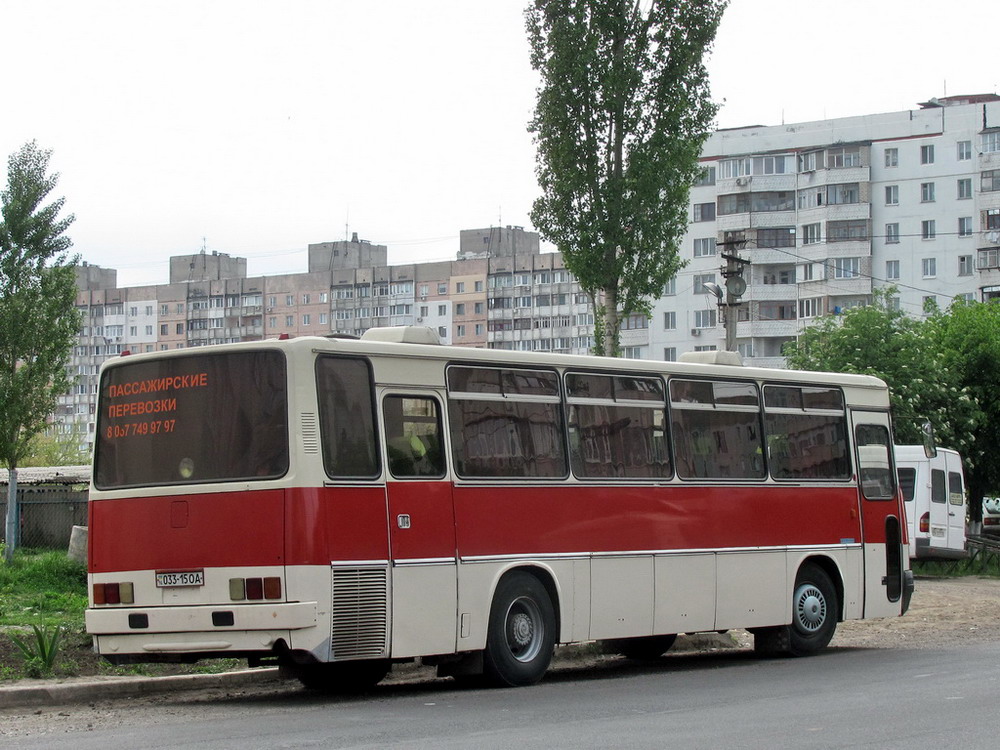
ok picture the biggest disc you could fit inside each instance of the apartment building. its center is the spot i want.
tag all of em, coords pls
(819, 214)
(500, 292)
(810, 217)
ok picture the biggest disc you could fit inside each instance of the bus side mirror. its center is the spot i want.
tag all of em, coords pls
(930, 446)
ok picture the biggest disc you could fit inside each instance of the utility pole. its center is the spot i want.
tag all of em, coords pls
(735, 285)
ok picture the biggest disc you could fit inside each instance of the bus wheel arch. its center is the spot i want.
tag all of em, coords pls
(816, 609)
(522, 629)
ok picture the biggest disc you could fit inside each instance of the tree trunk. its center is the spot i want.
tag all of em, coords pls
(611, 333)
(12, 515)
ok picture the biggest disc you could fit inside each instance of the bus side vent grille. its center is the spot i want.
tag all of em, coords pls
(360, 613)
(310, 434)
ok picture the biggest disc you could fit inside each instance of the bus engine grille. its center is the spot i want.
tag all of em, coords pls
(360, 613)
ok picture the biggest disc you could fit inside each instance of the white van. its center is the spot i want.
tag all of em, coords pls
(934, 491)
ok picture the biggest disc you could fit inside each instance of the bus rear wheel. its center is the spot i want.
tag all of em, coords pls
(814, 617)
(521, 632)
(343, 677)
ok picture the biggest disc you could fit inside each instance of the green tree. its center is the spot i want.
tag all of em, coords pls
(38, 317)
(622, 113)
(55, 449)
(968, 337)
(916, 359)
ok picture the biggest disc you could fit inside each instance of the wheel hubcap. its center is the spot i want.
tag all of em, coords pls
(810, 608)
(524, 629)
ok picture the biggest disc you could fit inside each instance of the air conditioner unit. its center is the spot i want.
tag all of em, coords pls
(742, 180)
(696, 332)
(420, 320)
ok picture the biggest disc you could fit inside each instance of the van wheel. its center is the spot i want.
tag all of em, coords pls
(521, 632)
(645, 648)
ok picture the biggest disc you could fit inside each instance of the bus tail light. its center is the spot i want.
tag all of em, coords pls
(114, 593)
(254, 588)
(925, 523)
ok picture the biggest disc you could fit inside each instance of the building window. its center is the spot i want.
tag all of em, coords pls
(442, 288)
(700, 279)
(846, 268)
(926, 192)
(289, 300)
(305, 299)
(324, 297)
(928, 267)
(811, 234)
(670, 354)
(964, 226)
(323, 319)
(776, 237)
(806, 272)
(891, 270)
(180, 328)
(707, 177)
(163, 329)
(479, 329)
(990, 181)
(460, 308)
(847, 231)
(808, 161)
(478, 286)
(989, 257)
(478, 308)
(704, 212)
(669, 321)
(810, 308)
(670, 288)
(891, 233)
(991, 219)
(892, 157)
(289, 321)
(849, 156)
(930, 303)
(704, 246)
(991, 142)
(892, 195)
(928, 229)
(442, 309)
(965, 188)
(704, 318)
(927, 154)
(964, 150)
(965, 265)
(634, 322)
(306, 319)
(460, 331)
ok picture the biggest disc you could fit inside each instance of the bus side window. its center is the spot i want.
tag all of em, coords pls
(347, 422)
(413, 436)
(874, 462)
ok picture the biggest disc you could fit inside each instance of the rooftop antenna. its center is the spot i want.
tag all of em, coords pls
(203, 245)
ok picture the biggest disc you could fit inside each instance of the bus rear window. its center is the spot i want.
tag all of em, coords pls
(192, 419)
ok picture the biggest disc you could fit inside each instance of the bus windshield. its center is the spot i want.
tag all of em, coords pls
(193, 419)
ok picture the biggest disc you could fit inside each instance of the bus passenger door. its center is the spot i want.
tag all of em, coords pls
(882, 520)
(421, 526)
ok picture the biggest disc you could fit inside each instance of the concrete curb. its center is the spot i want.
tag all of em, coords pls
(61, 693)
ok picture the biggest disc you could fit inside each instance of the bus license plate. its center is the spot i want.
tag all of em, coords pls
(180, 578)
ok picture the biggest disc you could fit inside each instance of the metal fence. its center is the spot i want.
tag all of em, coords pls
(48, 515)
(51, 500)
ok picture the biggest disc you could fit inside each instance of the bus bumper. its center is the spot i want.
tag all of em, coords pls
(202, 629)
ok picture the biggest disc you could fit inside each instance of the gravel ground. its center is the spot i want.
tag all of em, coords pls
(944, 612)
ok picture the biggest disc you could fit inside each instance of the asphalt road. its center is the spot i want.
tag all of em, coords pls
(845, 697)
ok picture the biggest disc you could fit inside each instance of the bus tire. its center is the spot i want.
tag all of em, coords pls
(814, 617)
(521, 633)
(645, 648)
(343, 677)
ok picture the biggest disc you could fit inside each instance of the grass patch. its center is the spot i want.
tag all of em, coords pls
(44, 589)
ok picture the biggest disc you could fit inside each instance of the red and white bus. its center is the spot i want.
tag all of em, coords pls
(336, 506)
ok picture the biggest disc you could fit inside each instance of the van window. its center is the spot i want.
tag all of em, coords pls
(956, 493)
(907, 480)
(938, 494)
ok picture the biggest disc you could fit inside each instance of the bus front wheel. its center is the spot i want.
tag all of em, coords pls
(521, 632)
(814, 617)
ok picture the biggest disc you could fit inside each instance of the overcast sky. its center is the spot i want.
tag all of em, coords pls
(254, 128)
